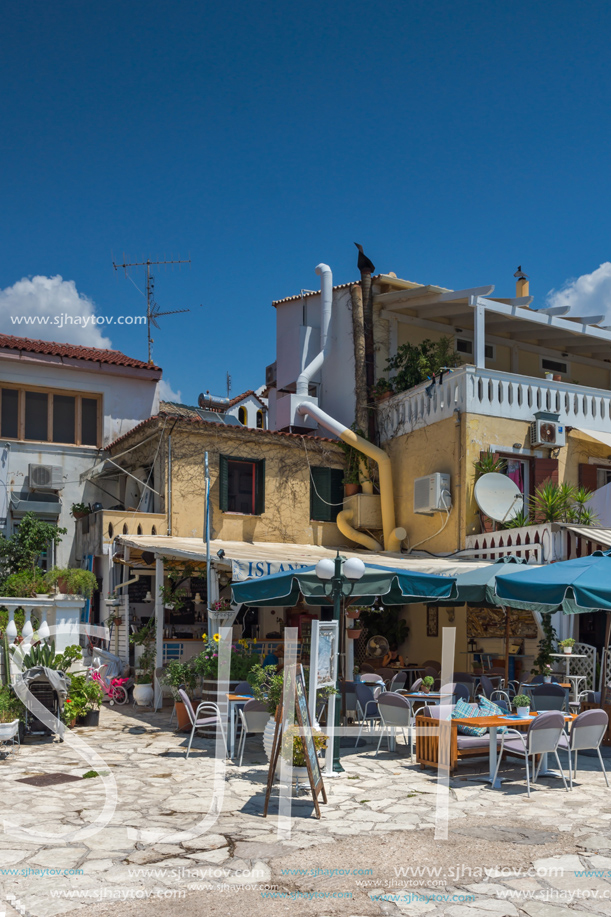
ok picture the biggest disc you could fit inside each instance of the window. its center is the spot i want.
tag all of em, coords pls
(242, 485)
(10, 413)
(260, 421)
(49, 416)
(326, 493)
(554, 366)
(603, 477)
(243, 416)
(463, 345)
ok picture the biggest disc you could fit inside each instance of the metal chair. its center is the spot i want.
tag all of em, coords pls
(431, 664)
(487, 689)
(244, 689)
(549, 697)
(254, 717)
(199, 719)
(395, 713)
(543, 737)
(454, 691)
(366, 707)
(587, 731)
(398, 681)
(417, 685)
(370, 678)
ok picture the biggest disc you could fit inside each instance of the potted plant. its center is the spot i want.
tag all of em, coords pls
(382, 390)
(567, 646)
(143, 687)
(82, 707)
(177, 675)
(292, 744)
(427, 683)
(80, 510)
(353, 630)
(546, 671)
(522, 704)
(73, 581)
(267, 686)
(352, 481)
(221, 605)
(12, 712)
(27, 583)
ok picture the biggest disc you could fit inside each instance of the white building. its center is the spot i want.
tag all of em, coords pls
(249, 408)
(60, 405)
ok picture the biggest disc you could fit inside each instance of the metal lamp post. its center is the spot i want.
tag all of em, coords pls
(339, 577)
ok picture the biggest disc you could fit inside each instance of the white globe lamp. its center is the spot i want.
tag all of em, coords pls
(325, 569)
(354, 568)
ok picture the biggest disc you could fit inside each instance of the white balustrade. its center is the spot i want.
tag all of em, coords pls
(494, 394)
(540, 544)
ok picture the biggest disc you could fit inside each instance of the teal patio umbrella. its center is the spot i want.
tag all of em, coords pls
(571, 586)
(393, 586)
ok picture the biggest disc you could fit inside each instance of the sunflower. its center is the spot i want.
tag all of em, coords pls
(216, 638)
(204, 637)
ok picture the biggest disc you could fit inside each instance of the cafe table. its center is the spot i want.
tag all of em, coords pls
(494, 723)
(234, 701)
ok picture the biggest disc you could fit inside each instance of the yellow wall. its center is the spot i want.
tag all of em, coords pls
(287, 486)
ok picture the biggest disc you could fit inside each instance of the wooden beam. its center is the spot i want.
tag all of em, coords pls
(431, 294)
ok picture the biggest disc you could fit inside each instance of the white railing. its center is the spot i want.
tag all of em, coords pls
(494, 394)
(542, 544)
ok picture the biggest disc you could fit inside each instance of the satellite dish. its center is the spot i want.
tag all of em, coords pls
(498, 497)
(377, 646)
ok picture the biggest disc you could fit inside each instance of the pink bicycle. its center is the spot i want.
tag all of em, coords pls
(115, 691)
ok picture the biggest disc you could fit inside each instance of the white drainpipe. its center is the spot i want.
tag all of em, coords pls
(326, 285)
(393, 536)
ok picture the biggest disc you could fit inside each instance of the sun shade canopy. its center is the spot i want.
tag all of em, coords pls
(572, 586)
(395, 587)
(477, 587)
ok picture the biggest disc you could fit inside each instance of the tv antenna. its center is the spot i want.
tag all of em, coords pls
(152, 309)
(228, 384)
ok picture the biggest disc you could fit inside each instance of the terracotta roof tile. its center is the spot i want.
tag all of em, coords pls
(169, 409)
(73, 351)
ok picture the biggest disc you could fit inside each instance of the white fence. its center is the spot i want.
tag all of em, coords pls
(494, 394)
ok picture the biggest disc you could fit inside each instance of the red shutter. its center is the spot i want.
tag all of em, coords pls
(545, 469)
(587, 476)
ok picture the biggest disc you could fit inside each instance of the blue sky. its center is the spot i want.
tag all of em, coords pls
(454, 140)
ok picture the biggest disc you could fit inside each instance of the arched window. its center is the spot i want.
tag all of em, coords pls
(125, 532)
(154, 530)
(242, 416)
(260, 421)
(139, 530)
(111, 530)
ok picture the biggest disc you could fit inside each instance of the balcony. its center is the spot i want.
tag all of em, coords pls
(98, 529)
(494, 394)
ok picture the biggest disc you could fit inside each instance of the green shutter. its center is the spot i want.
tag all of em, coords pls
(260, 487)
(320, 495)
(337, 492)
(223, 484)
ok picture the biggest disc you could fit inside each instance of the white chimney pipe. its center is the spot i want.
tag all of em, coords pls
(326, 286)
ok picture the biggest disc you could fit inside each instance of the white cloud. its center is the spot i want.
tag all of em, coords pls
(37, 307)
(167, 393)
(589, 294)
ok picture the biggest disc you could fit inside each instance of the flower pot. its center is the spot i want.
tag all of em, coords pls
(143, 695)
(352, 613)
(351, 489)
(182, 717)
(547, 679)
(568, 650)
(79, 515)
(91, 718)
(353, 633)
(523, 712)
(424, 690)
(9, 730)
(384, 396)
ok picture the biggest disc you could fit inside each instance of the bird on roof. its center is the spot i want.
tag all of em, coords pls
(519, 274)
(363, 263)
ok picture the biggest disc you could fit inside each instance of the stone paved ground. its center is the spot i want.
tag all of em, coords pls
(373, 852)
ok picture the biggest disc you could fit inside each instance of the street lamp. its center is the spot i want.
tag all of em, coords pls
(339, 577)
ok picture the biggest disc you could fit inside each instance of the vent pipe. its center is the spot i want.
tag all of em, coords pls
(521, 283)
(326, 289)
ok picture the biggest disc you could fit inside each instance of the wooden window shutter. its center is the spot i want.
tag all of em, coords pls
(223, 484)
(544, 469)
(260, 487)
(337, 492)
(588, 476)
(320, 494)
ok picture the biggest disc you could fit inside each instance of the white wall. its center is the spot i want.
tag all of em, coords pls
(126, 401)
(252, 406)
(336, 389)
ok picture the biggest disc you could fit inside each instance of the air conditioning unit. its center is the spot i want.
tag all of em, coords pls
(548, 433)
(432, 493)
(271, 374)
(46, 477)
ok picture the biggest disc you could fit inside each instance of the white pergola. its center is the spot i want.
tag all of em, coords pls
(508, 322)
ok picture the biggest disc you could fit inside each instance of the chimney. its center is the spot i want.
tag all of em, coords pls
(521, 282)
